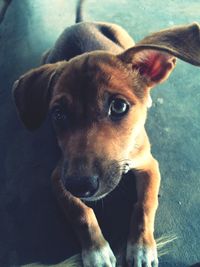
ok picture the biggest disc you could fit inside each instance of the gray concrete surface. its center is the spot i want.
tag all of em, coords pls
(32, 229)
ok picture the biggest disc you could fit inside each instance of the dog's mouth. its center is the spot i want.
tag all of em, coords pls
(109, 187)
(95, 187)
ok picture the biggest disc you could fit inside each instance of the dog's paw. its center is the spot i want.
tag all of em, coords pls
(101, 257)
(138, 255)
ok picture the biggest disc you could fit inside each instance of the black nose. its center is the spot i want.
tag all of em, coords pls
(85, 186)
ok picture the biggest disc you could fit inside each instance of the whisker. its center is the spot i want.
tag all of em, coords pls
(136, 146)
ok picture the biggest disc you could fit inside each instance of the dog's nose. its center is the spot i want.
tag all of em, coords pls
(85, 186)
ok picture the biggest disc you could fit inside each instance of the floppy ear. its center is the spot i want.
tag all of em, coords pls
(154, 56)
(32, 94)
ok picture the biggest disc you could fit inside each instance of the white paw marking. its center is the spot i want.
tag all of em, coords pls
(141, 256)
(102, 257)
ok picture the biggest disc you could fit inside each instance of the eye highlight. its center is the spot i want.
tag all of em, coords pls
(58, 114)
(118, 108)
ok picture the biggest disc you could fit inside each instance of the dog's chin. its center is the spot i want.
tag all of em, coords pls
(95, 198)
(101, 194)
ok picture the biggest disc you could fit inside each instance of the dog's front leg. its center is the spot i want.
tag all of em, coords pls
(141, 247)
(96, 251)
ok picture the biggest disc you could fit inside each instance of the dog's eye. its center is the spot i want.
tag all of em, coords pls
(58, 114)
(118, 108)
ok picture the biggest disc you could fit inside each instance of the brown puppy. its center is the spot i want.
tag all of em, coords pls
(98, 102)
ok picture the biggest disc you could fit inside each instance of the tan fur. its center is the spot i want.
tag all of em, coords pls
(82, 86)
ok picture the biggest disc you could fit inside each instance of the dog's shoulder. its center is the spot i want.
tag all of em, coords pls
(89, 36)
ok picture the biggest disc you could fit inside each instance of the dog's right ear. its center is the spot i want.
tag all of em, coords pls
(32, 94)
(155, 56)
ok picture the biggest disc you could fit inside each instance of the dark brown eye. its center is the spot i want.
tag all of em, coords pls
(118, 108)
(58, 114)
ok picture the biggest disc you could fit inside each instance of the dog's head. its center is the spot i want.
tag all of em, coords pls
(98, 104)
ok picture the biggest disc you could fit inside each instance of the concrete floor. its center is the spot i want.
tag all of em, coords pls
(31, 227)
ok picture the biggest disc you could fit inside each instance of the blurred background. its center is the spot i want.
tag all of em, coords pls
(32, 229)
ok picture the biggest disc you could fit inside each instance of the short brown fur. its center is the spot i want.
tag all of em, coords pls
(92, 142)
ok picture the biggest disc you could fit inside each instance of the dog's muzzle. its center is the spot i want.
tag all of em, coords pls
(82, 187)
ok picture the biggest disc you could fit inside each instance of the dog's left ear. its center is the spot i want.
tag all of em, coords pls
(155, 56)
(32, 94)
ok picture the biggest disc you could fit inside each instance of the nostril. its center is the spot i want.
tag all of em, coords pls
(84, 186)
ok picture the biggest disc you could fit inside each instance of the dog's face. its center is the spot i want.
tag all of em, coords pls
(98, 104)
(98, 111)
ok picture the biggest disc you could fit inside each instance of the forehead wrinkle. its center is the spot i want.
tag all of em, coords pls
(61, 98)
(86, 94)
(121, 81)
